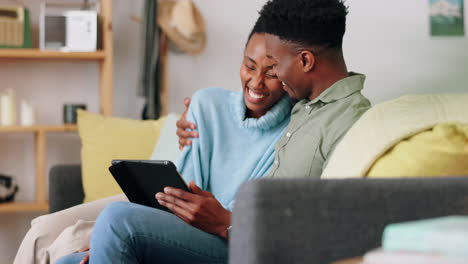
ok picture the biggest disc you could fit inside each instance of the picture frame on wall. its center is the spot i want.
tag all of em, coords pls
(447, 18)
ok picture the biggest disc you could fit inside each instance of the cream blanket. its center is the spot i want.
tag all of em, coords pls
(388, 123)
(55, 235)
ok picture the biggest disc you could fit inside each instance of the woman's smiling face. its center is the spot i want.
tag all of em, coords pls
(261, 87)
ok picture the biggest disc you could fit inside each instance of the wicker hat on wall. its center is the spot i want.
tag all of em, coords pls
(183, 24)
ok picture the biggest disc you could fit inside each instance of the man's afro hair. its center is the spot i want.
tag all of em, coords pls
(305, 22)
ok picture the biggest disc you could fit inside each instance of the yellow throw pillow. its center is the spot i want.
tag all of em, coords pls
(106, 138)
(440, 151)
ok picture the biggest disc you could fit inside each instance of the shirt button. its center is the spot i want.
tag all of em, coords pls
(276, 162)
(307, 107)
(288, 134)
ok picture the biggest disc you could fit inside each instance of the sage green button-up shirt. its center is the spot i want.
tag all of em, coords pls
(316, 127)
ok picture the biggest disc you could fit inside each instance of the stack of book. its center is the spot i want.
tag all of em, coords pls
(441, 240)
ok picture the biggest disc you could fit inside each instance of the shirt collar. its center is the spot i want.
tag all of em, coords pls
(341, 89)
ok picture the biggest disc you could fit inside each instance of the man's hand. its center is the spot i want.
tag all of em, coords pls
(183, 125)
(199, 209)
(86, 258)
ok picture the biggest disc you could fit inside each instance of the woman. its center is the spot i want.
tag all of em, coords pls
(239, 130)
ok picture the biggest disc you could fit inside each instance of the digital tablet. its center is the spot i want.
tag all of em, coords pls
(140, 180)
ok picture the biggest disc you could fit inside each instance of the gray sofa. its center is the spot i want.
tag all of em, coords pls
(319, 221)
(65, 187)
(311, 221)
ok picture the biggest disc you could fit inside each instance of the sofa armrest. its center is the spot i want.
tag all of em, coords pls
(320, 221)
(65, 187)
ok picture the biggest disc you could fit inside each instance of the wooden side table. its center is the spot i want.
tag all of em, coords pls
(357, 260)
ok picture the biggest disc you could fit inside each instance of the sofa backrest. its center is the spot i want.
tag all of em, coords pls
(320, 221)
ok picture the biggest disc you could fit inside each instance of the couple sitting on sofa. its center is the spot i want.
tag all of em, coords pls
(283, 52)
(309, 66)
(237, 135)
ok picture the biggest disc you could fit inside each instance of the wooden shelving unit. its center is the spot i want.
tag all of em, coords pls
(18, 207)
(37, 129)
(105, 58)
(40, 149)
(38, 54)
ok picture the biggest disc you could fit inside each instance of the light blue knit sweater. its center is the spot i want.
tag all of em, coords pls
(231, 149)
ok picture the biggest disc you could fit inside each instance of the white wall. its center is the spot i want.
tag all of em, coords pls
(389, 41)
(386, 40)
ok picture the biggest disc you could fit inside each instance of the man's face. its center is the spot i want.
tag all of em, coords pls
(288, 67)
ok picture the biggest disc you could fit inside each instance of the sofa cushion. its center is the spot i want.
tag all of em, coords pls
(388, 123)
(440, 151)
(106, 138)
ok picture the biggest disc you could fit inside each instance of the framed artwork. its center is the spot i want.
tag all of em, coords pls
(447, 18)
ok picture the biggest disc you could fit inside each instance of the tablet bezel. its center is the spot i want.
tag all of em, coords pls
(140, 180)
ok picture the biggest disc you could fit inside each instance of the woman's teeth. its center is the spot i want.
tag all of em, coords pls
(255, 95)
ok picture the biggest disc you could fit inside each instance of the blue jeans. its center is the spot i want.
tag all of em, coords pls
(130, 233)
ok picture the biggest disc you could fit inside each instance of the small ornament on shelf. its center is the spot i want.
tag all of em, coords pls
(7, 108)
(27, 116)
(8, 189)
(69, 112)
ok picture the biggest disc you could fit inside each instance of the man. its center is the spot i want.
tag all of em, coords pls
(304, 41)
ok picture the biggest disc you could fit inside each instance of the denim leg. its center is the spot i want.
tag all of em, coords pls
(130, 233)
(72, 258)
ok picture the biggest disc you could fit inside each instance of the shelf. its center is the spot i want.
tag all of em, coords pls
(24, 207)
(39, 128)
(40, 54)
(104, 59)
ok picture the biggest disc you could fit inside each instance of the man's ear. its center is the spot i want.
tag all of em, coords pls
(307, 60)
